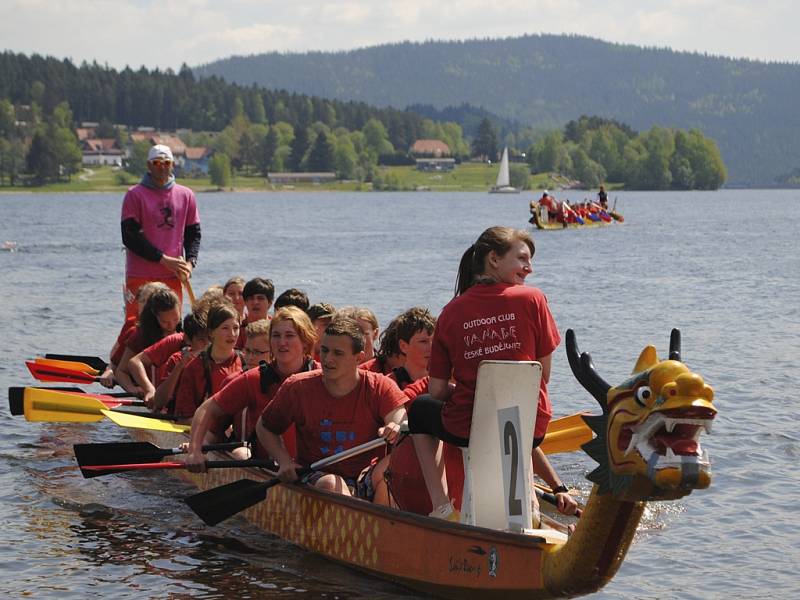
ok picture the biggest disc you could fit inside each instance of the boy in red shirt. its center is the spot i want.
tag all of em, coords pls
(337, 408)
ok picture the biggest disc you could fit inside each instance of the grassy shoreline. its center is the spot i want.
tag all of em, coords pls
(467, 177)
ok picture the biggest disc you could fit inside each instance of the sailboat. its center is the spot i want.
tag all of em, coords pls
(503, 184)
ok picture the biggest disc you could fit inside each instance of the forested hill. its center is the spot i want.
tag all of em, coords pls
(748, 107)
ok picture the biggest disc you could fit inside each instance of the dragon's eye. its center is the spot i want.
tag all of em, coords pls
(643, 395)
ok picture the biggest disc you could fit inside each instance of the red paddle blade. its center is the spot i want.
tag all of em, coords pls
(50, 373)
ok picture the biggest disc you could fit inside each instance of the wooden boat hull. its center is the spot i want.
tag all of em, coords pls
(536, 219)
(436, 557)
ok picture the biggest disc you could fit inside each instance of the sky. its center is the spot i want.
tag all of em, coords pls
(169, 33)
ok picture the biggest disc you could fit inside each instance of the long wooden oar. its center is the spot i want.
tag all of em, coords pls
(53, 406)
(44, 372)
(67, 364)
(220, 503)
(93, 361)
(90, 471)
(190, 292)
(566, 434)
(116, 453)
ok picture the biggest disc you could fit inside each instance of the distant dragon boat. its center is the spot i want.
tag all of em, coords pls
(540, 217)
(647, 447)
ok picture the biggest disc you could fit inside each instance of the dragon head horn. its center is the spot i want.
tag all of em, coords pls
(675, 345)
(584, 371)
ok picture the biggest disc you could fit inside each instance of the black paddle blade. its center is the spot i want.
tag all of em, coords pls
(93, 361)
(220, 503)
(118, 453)
(16, 398)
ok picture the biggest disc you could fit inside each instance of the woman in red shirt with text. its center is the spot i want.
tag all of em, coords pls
(493, 316)
(291, 341)
(203, 376)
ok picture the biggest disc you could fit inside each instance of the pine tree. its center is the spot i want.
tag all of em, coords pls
(299, 148)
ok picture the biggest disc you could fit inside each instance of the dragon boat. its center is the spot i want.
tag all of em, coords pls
(540, 218)
(646, 444)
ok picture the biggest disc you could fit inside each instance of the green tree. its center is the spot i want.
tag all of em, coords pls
(345, 158)
(590, 173)
(660, 145)
(219, 170)
(485, 143)
(377, 139)
(265, 152)
(7, 118)
(137, 161)
(42, 161)
(299, 148)
(520, 176)
(321, 156)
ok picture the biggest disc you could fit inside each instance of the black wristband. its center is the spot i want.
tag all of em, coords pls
(561, 489)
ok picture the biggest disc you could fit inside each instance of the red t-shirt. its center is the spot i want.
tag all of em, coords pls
(191, 390)
(243, 394)
(159, 352)
(127, 331)
(499, 321)
(374, 366)
(135, 341)
(328, 425)
(162, 351)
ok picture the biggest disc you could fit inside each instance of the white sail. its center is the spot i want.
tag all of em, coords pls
(503, 180)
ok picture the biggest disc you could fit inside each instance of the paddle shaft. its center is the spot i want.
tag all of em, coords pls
(210, 464)
(551, 499)
(220, 503)
(134, 452)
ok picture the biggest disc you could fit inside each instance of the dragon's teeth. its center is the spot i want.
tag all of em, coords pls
(670, 456)
(670, 424)
(632, 444)
(707, 425)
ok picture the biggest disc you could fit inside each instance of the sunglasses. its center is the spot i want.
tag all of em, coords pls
(161, 163)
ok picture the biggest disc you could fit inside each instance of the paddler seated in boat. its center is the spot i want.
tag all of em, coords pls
(292, 297)
(151, 367)
(128, 328)
(320, 315)
(409, 337)
(196, 340)
(233, 290)
(368, 323)
(203, 376)
(333, 410)
(291, 342)
(492, 303)
(160, 317)
(258, 295)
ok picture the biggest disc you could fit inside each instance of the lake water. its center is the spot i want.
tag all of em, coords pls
(723, 267)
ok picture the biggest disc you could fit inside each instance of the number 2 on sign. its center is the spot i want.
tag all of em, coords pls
(511, 446)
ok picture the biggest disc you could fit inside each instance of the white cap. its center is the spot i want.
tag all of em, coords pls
(546, 193)
(159, 151)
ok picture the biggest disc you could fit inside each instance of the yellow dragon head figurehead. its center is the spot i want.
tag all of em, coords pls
(647, 442)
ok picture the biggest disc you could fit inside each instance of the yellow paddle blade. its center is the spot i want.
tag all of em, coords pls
(49, 405)
(566, 434)
(137, 422)
(68, 364)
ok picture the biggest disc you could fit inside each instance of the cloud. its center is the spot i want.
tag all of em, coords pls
(166, 34)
